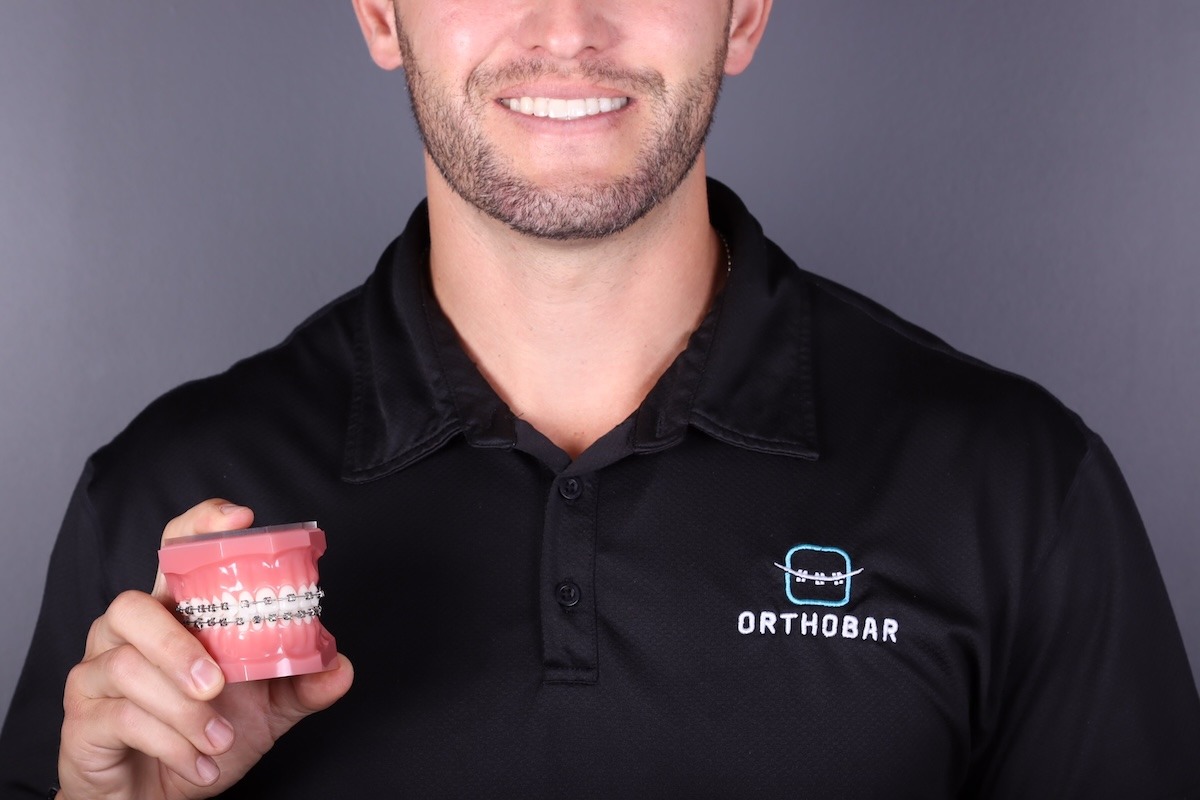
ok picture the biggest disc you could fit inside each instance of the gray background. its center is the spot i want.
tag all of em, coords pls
(181, 183)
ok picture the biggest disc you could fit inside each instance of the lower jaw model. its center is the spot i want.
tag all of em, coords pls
(252, 599)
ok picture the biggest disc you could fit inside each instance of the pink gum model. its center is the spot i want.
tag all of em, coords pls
(252, 599)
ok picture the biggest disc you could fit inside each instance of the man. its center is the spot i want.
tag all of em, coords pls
(620, 502)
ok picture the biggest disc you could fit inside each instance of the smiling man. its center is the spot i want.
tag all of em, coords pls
(571, 250)
(619, 501)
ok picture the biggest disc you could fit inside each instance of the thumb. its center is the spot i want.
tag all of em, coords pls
(211, 516)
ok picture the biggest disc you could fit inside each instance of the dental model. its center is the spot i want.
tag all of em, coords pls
(252, 599)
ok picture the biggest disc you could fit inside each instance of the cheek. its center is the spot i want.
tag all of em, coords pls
(683, 20)
(684, 34)
(464, 32)
(458, 33)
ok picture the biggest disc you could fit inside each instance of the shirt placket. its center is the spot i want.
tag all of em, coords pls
(568, 585)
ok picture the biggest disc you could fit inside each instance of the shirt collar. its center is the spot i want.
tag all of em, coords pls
(745, 377)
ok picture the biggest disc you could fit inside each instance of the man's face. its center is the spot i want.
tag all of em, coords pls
(564, 120)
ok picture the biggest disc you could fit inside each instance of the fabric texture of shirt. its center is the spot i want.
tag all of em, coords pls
(828, 556)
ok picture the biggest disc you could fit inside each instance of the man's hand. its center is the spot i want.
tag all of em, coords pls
(147, 712)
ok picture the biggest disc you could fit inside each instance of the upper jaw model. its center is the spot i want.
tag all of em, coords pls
(252, 598)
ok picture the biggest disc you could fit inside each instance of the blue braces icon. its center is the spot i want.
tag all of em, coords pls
(804, 585)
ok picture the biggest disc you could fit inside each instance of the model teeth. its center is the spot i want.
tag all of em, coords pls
(268, 608)
(556, 108)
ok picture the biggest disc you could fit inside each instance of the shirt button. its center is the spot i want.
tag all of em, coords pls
(567, 594)
(571, 488)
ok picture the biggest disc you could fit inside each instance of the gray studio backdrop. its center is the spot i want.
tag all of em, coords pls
(181, 183)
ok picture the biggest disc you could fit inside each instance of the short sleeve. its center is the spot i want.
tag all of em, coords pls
(1099, 700)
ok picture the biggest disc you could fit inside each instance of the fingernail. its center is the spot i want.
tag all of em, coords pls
(219, 733)
(207, 768)
(229, 508)
(205, 675)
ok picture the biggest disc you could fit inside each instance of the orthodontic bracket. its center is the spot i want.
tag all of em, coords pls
(203, 615)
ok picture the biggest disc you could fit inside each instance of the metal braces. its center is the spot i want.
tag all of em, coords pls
(195, 614)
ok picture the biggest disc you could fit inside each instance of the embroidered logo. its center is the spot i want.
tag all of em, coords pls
(817, 576)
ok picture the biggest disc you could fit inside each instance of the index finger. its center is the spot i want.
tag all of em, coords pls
(137, 620)
(211, 516)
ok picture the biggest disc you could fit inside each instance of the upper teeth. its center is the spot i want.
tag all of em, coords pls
(265, 607)
(555, 108)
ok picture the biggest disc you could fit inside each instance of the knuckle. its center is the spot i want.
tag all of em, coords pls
(123, 664)
(176, 526)
(127, 608)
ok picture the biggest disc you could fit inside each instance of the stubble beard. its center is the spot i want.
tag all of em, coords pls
(478, 173)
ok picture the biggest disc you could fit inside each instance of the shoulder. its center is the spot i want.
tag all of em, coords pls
(199, 439)
(886, 382)
(317, 354)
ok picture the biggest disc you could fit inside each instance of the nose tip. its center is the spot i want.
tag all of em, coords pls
(565, 29)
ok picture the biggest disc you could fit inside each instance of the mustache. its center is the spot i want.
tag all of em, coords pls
(639, 81)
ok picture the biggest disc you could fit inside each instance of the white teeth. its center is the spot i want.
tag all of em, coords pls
(246, 607)
(558, 108)
(289, 604)
(312, 601)
(199, 608)
(229, 606)
(264, 608)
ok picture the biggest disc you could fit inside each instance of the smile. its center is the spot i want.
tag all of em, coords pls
(558, 108)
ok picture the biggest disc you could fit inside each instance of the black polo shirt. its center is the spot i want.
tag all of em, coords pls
(829, 556)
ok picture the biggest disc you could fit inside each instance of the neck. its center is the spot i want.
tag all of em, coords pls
(573, 335)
